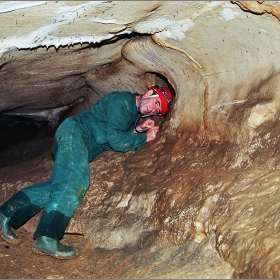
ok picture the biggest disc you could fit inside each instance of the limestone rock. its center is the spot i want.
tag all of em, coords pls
(214, 169)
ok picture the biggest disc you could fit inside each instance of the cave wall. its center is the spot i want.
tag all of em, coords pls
(214, 169)
(204, 49)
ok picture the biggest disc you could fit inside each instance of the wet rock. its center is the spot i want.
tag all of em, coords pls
(213, 172)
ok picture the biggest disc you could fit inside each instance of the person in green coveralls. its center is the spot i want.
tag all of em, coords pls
(111, 123)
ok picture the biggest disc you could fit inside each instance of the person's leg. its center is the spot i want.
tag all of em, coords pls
(21, 207)
(70, 181)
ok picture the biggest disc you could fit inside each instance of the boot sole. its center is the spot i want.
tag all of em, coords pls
(43, 253)
(10, 241)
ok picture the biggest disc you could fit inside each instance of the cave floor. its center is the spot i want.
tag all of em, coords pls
(158, 261)
(19, 262)
(192, 261)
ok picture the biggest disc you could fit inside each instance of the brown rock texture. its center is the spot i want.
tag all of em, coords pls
(203, 199)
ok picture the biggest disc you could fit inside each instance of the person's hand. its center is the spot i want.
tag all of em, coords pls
(152, 133)
(145, 125)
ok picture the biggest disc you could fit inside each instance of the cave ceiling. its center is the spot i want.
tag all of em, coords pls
(220, 141)
(56, 55)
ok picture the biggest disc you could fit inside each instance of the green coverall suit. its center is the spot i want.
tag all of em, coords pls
(108, 124)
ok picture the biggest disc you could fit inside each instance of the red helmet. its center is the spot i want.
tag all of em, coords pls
(165, 96)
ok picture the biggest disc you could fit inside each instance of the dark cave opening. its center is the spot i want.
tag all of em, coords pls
(162, 80)
(23, 139)
(17, 130)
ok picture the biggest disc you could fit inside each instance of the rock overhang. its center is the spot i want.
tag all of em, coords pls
(222, 60)
(54, 52)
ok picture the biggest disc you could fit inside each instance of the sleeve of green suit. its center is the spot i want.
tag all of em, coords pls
(120, 128)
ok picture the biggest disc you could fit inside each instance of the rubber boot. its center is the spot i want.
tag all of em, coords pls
(45, 245)
(6, 232)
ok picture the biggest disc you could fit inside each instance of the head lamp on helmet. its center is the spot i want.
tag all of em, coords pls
(165, 96)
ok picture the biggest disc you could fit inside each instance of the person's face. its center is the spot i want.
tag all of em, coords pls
(151, 104)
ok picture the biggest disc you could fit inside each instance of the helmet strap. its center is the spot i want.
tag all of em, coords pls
(139, 102)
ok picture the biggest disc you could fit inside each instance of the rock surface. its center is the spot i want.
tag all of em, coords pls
(206, 192)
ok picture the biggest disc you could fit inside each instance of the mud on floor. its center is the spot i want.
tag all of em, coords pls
(190, 261)
(19, 261)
